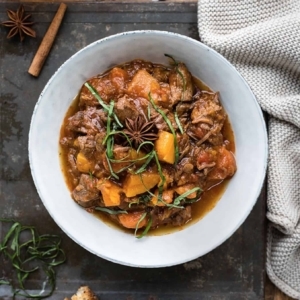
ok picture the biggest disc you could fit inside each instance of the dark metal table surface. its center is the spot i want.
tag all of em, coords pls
(235, 270)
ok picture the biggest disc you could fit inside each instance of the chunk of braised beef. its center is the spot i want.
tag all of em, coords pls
(184, 144)
(125, 108)
(174, 216)
(108, 87)
(71, 157)
(182, 217)
(87, 144)
(87, 121)
(99, 138)
(161, 74)
(86, 193)
(133, 67)
(181, 84)
(159, 121)
(207, 119)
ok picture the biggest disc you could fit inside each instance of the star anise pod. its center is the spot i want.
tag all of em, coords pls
(140, 130)
(19, 24)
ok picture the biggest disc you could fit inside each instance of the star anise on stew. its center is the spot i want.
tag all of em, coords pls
(140, 130)
(19, 24)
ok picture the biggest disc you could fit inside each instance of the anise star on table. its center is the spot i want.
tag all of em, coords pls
(19, 24)
(140, 130)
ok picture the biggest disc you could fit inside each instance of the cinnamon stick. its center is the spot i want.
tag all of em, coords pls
(46, 44)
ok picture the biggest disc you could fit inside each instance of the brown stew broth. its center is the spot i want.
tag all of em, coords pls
(208, 198)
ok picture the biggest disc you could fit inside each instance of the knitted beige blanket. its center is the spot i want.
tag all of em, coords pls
(261, 38)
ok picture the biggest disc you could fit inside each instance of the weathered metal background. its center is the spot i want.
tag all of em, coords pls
(235, 270)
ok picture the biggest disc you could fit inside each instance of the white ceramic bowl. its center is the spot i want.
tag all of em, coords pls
(91, 233)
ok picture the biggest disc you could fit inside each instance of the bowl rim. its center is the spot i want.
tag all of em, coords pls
(259, 111)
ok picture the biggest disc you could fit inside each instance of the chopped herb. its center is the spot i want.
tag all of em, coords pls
(184, 195)
(110, 211)
(146, 229)
(161, 174)
(138, 223)
(44, 250)
(113, 174)
(178, 122)
(144, 166)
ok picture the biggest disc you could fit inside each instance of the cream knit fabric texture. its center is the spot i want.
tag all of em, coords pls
(261, 38)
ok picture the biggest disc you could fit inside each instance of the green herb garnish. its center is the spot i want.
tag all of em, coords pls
(184, 195)
(178, 122)
(43, 250)
(147, 227)
(110, 211)
(113, 174)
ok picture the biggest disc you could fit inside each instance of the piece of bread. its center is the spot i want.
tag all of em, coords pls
(83, 293)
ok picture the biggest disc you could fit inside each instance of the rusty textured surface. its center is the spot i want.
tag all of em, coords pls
(235, 270)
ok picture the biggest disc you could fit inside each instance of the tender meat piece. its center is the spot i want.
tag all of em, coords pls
(126, 108)
(161, 74)
(87, 144)
(144, 83)
(87, 121)
(108, 87)
(175, 216)
(207, 118)
(86, 193)
(182, 217)
(133, 67)
(159, 121)
(72, 165)
(184, 171)
(184, 144)
(225, 165)
(181, 84)
(67, 141)
(83, 293)
(99, 138)
(103, 86)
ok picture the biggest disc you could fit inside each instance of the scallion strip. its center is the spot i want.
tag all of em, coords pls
(144, 166)
(184, 195)
(43, 248)
(138, 223)
(113, 174)
(178, 122)
(146, 229)
(110, 211)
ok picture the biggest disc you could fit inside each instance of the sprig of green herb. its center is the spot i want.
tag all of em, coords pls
(42, 249)
(110, 211)
(112, 173)
(178, 199)
(149, 223)
(178, 122)
(169, 125)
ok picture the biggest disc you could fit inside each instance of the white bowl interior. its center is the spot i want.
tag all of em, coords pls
(153, 251)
